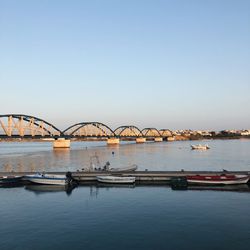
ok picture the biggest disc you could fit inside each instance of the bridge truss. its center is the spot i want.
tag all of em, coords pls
(19, 125)
(89, 129)
(26, 126)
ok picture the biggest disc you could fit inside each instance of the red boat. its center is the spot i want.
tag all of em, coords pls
(224, 179)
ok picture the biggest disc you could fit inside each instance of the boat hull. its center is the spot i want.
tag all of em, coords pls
(115, 179)
(217, 180)
(47, 179)
(124, 169)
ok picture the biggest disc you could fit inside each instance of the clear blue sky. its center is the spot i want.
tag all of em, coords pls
(168, 64)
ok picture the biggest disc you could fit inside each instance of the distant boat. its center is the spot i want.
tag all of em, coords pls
(115, 179)
(10, 179)
(49, 179)
(200, 147)
(223, 179)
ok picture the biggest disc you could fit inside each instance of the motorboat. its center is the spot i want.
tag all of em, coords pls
(115, 179)
(200, 147)
(108, 168)
(121, 169)
(49, 179)
(224, 179)
(10, 179)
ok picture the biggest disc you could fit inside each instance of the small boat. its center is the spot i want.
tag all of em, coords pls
(200, 147)
(116, 179)
(10, 179)
(224, 179)
(49, 179)
(123, 169)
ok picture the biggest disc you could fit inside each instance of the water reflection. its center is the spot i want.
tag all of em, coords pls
(150, 155)
(231, 188)
(42, 189)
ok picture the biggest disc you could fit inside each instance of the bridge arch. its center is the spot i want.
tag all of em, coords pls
(89, 129)
(166, 132)
(128, 131)
(20, 125)
(151, 132)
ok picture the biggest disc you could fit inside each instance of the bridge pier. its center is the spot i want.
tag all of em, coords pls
(158, 139)
(61, 143)
(140, 140)
(113, 141)
(171, 138)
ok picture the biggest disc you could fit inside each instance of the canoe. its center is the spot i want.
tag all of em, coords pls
(10, 179)
(48, 179)
(115, 179)
(224, 179)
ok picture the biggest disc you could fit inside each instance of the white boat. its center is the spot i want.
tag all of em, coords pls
(48, 179)
(116, 179)
(107, 168)
(121, 169)
(200, 147)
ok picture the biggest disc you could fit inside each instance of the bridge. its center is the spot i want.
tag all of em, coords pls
(31, 127)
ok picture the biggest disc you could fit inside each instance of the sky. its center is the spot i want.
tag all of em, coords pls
(176, 64)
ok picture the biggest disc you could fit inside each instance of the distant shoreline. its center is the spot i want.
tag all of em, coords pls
(177, 138)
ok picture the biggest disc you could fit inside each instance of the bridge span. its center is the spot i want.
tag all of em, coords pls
(31, 127)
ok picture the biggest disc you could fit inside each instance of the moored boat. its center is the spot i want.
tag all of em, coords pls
(224, 179)
(200, 147)
(116, 179)
(10, 179)
(48, 179)
(123, 169)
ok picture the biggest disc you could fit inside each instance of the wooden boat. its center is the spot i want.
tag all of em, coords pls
(224, 179)
(116, 179)
(10, 179)
(200, 147)
(48, 179)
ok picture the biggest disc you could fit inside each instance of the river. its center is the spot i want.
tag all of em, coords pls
(127, 217)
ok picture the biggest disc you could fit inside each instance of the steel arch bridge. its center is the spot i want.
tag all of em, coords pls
(151, 132)
(89, 129)
(128, 131)
(20, 125)
(26, 126)
(166, 132)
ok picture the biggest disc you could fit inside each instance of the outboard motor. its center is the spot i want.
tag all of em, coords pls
(70, 180)
(69, 177)
(106, 166)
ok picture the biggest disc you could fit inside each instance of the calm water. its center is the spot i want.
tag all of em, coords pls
(42, 217)
(224, 154)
